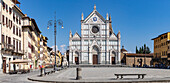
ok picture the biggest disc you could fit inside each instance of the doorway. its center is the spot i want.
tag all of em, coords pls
(4, 66)
(95, 59)
(76, 60)
(113, 60)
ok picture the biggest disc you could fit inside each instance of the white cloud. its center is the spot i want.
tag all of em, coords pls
(62, 46)
(63, 49)
(131, 52)
(54, 48)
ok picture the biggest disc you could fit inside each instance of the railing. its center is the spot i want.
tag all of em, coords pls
(10, 46)
(3, 46)
(20, 51)
(7, 46)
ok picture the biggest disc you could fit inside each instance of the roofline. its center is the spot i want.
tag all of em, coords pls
(26, 17)
(46, 38)
(49, 48)
(17, 2)
(36, 27)
(88, 15)
(28, 26)
(96, 12)
(78, 34)
(18, 10)
(159, 35)
(100, 15)
(134, 54)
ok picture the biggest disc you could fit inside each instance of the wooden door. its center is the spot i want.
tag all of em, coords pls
(76, 60)
(4, 66)
(95, 59)
(113, 60)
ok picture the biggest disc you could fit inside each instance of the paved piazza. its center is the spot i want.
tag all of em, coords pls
(106, 74)
(18, 78)
(89, 74)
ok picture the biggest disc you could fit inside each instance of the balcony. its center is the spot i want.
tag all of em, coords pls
(7, 47)
(164, 56)
(18, 52)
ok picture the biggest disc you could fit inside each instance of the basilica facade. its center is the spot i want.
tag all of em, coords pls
(97, 44)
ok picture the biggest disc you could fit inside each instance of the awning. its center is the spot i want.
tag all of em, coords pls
(20, 61)
(49, 63)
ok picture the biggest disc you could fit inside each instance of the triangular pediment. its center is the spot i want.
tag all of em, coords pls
(95, 43)
(76, 36)
(94, 17)
(113, 36)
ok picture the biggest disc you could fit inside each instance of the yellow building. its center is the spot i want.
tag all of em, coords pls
(58, 58)
(160, 48)
(45, 49)
(44, 56)
(38, 48)
(168, 52)
(31, 34)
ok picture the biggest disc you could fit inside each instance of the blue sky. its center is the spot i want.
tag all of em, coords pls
(138, 20)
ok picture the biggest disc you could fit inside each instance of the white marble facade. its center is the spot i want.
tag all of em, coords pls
(98, 44)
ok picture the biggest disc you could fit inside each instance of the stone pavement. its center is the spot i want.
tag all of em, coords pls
(106, 74)
(18, 78)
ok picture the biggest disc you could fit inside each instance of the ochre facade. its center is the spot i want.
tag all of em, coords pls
(161, 48)
(139, 60)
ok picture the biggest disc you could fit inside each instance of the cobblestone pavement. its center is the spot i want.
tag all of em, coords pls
(18, 78)
(106, 74)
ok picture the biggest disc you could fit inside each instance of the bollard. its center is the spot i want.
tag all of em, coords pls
(78, 74)
(44, 72)
(40, 71)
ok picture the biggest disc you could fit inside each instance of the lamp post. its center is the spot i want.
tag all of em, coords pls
(60, 23)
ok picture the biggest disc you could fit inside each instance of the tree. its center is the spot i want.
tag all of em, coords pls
(137, 50)
(140, 50)
(143, 50)
(148, 50)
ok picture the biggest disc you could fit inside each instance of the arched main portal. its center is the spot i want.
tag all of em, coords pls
(95, 54)
(76, 57)
(113, 55)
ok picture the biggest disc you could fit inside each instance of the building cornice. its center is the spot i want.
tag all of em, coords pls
(28, 26)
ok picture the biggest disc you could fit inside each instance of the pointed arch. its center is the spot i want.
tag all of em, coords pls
(113, 56)
(94, 43)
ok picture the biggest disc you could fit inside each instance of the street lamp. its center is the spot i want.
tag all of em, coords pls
(60, 23)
